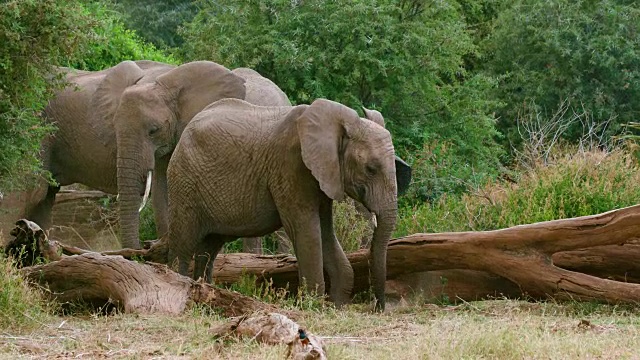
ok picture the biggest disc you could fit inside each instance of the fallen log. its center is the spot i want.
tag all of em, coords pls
(523, 255)
(111, 279)
(576, 258)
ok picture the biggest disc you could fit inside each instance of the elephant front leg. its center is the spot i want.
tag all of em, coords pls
(306, 238)
(159, 196)
(334, 259)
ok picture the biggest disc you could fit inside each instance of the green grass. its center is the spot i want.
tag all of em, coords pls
(497, 329)
(21, 306)
(572, 184)
(303, 299)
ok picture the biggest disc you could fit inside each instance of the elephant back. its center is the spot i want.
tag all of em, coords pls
(260, 90)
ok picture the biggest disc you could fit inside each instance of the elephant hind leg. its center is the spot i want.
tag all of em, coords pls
(40, 211)
(184, 239)
(206, 253)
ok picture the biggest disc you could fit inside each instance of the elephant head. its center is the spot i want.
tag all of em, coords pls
(352, 156)
(149, 109)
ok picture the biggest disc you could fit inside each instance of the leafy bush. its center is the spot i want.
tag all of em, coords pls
(112, 43)
(21, 306)
(579, 51)
(405, 59)
(156, 21)
(35, 34)
(572, 183)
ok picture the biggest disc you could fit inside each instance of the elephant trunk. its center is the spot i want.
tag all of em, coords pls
(132, 175)
(385, 224)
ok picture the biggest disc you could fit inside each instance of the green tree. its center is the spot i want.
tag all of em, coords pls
(157, 21)
(35, 34)
(583, 52)
(404, 58)
(112, 43)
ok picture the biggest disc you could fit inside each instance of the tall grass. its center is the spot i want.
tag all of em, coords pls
(21, 306)
(570, 183)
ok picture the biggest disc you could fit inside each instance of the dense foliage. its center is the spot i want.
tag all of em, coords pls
(584, 52)
(34, 34)
(441, 72)
(112, 42)
(157, 21)
(402, 58)
(570, 183)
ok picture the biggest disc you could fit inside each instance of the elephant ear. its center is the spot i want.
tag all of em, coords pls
(199, 83)
(373, 115)
(107, 96)
(403, 175)
(321, 129)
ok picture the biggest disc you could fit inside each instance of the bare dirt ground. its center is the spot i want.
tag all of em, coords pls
(497, 329)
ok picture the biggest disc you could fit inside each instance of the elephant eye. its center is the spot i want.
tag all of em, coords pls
(371, 169)
(153, 130)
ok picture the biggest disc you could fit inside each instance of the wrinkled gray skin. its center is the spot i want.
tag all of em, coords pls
(240, 170)
(259, 91)
(116, 125)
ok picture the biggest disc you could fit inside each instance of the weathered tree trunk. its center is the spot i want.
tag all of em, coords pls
(586, 258)
(111, 279)
(523, 255)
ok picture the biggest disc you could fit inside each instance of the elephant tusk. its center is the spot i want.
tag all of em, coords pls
(374, 219)
(147, 189)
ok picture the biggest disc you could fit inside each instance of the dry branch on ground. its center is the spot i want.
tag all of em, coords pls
(111, 279)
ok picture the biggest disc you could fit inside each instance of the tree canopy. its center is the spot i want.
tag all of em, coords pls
(582, 52)
(453, 78)
(404, 58)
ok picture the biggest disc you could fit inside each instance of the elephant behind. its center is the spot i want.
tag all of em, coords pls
(242, 170)
(116, 130)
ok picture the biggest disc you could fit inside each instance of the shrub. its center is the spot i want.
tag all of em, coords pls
(570, 184)
(35, 35)
(582, 51)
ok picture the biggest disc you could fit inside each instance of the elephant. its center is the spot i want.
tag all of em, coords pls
(116, 129)
(242, 170)
(259, 91)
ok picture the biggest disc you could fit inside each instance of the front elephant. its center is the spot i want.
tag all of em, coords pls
(116, 126)
(245, 170)
(259, 91)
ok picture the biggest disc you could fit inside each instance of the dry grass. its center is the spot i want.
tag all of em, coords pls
(498, 329)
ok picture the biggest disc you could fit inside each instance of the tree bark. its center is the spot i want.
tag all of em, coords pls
(113, 280)
(586, 258)
(523, 255)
